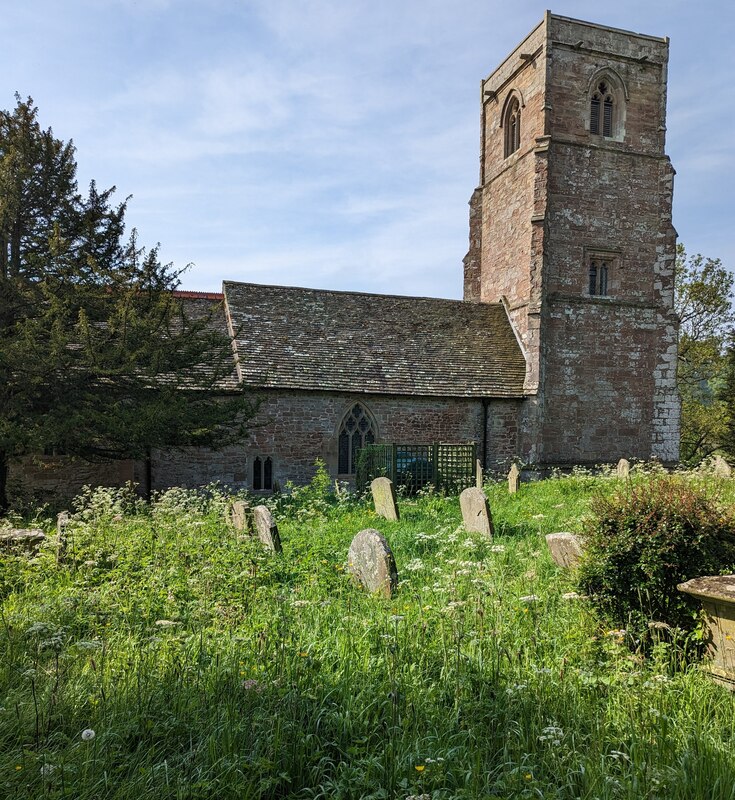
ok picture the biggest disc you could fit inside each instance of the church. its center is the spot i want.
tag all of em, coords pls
(563, 351)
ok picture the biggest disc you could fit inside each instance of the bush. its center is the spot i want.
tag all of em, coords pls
(647, 538)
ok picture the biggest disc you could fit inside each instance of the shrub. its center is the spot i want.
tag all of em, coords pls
(645, 539)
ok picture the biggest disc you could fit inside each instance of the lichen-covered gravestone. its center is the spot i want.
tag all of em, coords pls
(565, 548)
(384, 498)
(371, 563)
(721, 468)
(476, 511)
(240, 516)
(623, 469)
(266, 528)
(514, 479)
(22, 538)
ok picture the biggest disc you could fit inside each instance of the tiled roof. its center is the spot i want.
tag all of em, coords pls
(292, 338)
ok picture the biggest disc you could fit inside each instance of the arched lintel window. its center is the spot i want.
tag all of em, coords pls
(356, 429)
(606, 103)
(510, 122)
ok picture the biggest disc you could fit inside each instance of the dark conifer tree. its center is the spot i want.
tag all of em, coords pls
(99, 357)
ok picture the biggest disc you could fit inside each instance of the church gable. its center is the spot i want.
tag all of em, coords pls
(313, 339)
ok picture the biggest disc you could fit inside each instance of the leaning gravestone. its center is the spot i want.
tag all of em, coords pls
(240, 515)
(721, 468)
(371, 563)
(266, 528)
(514, 479)
(566, 549)
(623, 468)
(22, 538)
(476, 511)
(384, 498)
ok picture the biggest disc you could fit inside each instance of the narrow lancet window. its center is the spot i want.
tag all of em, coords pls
(512, 124)
(602, 111)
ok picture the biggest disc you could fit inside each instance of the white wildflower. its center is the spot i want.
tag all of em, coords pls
(47, 769)
(164, 623)
(88, 734)
(529, 598)
(300, 603)
(497, 548)
(414, 565)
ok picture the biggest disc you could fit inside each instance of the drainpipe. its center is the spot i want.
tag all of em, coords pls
(485, 404)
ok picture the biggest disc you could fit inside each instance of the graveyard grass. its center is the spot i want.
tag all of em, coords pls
(208, 668)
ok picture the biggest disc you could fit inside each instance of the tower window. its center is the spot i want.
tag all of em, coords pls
(602, 110)
(356, 431)
(512, 125)
(598, 273)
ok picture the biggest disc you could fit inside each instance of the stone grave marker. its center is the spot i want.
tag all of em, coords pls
(22, 538)
(566, 549)
(721, 468)
(62, 523)
(240, 516)
(514, 479)
(384, 498)
(266, 528)
(479, 477)
(476, 511)
(623, 468)
(371, 563)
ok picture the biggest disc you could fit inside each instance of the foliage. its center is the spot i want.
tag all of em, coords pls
(647, 538)
(208, 668)
(703, 301)
(98, 356)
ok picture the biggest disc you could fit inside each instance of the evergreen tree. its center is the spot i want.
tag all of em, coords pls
(99, 357)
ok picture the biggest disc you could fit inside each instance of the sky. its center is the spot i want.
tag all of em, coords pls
(331, 143)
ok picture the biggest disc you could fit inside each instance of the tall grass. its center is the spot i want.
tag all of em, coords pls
(209, 669)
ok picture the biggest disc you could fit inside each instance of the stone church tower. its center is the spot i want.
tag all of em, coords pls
(571, 229)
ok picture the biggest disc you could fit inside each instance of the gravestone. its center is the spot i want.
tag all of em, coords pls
(476, 511)
(514, 479)
(371, 563)
(566, 549)
(22, 538)
(721, 468)
(266, 528)
(623, 468)
(62, 523)
(240, 516)
(384, 498)
(479, 478)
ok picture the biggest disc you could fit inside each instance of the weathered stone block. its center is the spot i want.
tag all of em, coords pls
(240, 516)
(22, 538)
(266, 528)
(370, 561)
(566, 549)
(384, 498)
(476, 511)
(623, 468)
(721, 468)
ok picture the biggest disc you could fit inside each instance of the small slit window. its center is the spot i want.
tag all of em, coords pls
(512, 125)
(356, 431)
(263, 474)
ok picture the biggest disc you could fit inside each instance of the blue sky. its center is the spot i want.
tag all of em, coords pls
(331, 144)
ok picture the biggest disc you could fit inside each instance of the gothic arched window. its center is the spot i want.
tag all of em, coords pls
(357, 430)
(512, 125)
(602, 110)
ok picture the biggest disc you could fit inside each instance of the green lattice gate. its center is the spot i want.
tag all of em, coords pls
(450, 468)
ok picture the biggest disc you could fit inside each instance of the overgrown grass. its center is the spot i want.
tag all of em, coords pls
(210, 669)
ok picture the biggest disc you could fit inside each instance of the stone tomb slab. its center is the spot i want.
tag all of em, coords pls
(565, 548)
(476, 511)
(371, 563)
(266, 529)
(384, 498)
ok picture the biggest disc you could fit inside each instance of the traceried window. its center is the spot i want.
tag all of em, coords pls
(262, 474)
(356, 431)
(602, 108)
(599, 274)
(512, 125)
